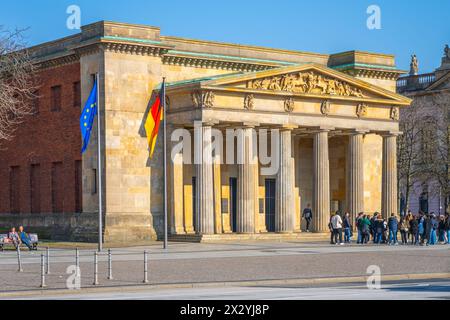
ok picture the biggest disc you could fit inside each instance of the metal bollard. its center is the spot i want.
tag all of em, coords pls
(47, 258)
(145, 267)
(77, 261)
(19, 258)
(95, 269)
(110, 276)
(43, 285)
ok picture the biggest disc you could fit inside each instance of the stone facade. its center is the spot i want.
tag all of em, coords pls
(428, 191)
(333, 113)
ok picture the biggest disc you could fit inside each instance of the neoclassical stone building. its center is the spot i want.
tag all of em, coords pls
(429, 181)
(337, 116)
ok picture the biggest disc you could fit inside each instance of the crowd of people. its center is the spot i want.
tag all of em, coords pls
(421, 229)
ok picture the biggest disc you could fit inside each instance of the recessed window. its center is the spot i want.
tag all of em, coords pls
(35, 188)
(77, 94)
(57, 187)
(56, 98)
(14, 189)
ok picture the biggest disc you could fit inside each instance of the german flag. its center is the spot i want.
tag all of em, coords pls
(154, 118)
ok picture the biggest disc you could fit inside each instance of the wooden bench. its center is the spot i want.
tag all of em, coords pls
(5, 241)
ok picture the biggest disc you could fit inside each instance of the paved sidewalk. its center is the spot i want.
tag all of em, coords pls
(198, 263)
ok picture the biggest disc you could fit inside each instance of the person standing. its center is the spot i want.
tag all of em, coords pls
(336, 224)
(441, 230)
(307, 215)
(414, 230)
(393, 229)
(373, 223)
(347, 228)
(447, 227)
(433, 229)
(404, 228)
(421, 228)
(358, 224)
(378, 228)
(409, 217)
(427, 229)
(330, 227)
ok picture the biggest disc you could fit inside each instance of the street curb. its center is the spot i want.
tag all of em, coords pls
(301, 281)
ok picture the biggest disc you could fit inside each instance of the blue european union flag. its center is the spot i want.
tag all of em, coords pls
(88, 116)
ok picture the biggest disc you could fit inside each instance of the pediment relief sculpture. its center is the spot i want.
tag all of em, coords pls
(289, 104)
(395, 113)
(306, 82)
(325, 107)
(361, 110)
(249, 103)
(203, 99)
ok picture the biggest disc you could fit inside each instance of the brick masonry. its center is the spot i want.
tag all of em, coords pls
(45, 138)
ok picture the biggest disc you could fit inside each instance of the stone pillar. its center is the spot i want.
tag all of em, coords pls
(355, 174)
(204, 174)
(285, 205)
(389, 177)
(246, 197)
(321, 182)
(176, 194)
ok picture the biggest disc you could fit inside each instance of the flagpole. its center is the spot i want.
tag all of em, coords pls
(165, 164)
(99, 170)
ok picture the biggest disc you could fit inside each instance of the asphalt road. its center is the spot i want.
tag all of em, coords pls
(408, 290)
(198, 263)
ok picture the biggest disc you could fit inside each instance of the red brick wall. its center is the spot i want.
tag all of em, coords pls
(45, 138)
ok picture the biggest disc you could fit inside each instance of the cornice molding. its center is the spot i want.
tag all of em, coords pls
(198, 62)
(57, 62)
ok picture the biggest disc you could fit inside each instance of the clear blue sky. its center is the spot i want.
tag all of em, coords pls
(325, 26)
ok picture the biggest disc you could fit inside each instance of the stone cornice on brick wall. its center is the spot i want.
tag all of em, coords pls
(370, 71)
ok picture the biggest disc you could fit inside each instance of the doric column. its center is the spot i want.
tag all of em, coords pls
(355, 174)
(176, 191)
(321, 182)
(389, 177)
(246, 200)
(285, 212)
(204, 175)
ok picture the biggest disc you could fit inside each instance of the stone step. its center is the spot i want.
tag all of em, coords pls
(300, 237)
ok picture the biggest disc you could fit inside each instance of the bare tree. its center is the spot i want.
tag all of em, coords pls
(17, 84)
(409, 157)
(438, 169)
(423, 149)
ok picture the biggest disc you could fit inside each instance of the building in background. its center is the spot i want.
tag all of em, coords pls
(338, 116)
(424, 146)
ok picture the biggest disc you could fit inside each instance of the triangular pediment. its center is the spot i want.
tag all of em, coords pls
(309, 80)
(443, 83)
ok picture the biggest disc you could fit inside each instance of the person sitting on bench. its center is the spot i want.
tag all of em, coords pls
(25, 238)
(14, 237)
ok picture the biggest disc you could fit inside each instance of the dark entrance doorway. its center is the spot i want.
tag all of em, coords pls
(233, 203)
(270, 205)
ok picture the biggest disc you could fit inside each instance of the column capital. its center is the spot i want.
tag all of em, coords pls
(288, 127)
(249, 124)
(325, 129)
(387, 134)
(359, 131)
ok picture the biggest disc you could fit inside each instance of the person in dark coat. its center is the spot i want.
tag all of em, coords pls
(447, 227)
(414, 230)
(441, 229)
(307, 215)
